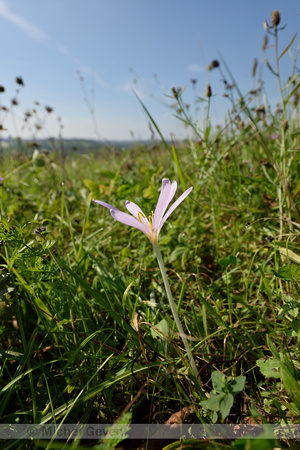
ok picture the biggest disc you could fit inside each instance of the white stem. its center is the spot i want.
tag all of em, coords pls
(174, 309)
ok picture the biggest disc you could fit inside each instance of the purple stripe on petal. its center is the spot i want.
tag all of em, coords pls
(166, 194)
(127, 219)
(174, 206)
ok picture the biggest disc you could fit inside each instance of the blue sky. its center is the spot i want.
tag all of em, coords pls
(114, 42)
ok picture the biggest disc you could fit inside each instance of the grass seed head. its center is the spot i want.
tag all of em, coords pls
(254, 67)
(265, 43)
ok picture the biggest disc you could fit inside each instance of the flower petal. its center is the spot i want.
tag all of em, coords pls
(127, 219)
(134, 209)
(166, 194)
(105, 204)
(174, 206)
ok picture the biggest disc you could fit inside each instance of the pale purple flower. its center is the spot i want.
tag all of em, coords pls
(149, 226)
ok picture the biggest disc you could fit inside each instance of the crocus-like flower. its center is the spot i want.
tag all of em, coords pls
(150, 227)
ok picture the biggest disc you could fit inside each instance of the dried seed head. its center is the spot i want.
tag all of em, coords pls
(275, 19)
(215, 63)
(208, 91)
(266, 26)
(19, 80)
(14, 102)
(193, 81)
(254, 67)
(265, 43)
(49, 109)
(2, 89)
(175, 93)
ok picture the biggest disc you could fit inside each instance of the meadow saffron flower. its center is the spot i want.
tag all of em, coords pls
(152, 225)
(151, 228)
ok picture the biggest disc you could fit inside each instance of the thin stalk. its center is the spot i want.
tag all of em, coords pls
(174, 309)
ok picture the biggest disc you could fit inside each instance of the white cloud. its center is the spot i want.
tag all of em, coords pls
(27, 27)
(195, 68)
(30, 29)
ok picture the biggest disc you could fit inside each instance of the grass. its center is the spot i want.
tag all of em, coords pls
(86, 332)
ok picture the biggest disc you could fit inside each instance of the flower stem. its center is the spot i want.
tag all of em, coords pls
(174, 310)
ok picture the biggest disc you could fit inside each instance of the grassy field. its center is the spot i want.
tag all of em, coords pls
(86, 331)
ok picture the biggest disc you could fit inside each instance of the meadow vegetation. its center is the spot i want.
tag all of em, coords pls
(86, 332)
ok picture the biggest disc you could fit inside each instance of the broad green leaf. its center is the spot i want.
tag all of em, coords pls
(269, 367)
(224, 262)
(291, 308)
(284, 273)
(218, 381)
(213, 403)
(296, 325)
(291, 384)
(238, 384)
(225, 405)
(162, 326)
